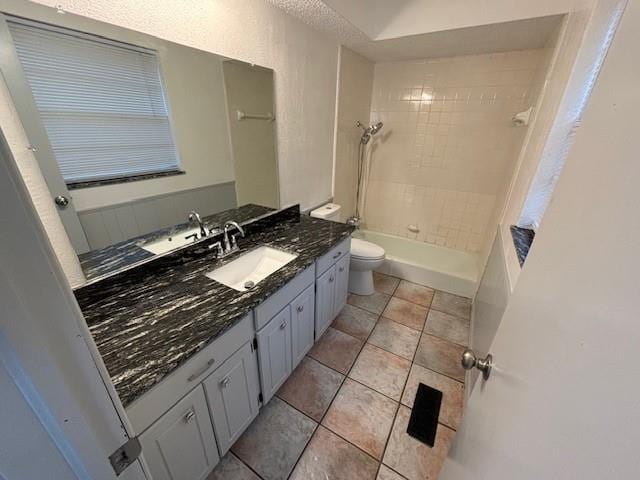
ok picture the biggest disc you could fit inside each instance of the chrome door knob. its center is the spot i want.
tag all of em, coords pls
(469, 360)
(61, 201)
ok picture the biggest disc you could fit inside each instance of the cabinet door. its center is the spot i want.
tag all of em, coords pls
(302, 324)
(341, 284)
(274, 352)
(181, 444)
(325, 300)
(232, 391)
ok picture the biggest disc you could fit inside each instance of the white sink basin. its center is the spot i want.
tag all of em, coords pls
(171, 242)
(251, 268)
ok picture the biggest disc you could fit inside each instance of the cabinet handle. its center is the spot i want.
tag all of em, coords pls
(283, 325)
(341, 269)
(300, 308)
(189, 416)
(224, 382)
(331, 279)
(193, 376)
(337, 255)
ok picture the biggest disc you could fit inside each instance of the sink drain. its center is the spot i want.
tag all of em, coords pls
(249, 285)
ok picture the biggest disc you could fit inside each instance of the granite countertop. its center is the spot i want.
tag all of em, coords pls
(151, 319)
(108, 260)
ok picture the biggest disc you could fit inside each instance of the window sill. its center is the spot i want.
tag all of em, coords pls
(522, 240)
(114, 181)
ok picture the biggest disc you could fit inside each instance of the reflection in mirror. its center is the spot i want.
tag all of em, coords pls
(141, 141)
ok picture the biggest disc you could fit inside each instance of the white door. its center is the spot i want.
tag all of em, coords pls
(233, 391)
(274, 351)
(181, 443)
(47, 350)
(302, 324)
(563, 401)
(325, 300)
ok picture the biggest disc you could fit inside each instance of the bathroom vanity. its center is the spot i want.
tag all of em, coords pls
(192, 359)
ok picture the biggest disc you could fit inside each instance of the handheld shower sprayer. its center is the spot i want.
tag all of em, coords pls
(368, 132)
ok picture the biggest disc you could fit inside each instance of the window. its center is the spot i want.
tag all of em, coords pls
(101, 103)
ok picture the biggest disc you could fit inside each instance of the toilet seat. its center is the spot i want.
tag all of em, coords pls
(361, 249)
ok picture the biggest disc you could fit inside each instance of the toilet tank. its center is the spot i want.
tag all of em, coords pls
(328, 211)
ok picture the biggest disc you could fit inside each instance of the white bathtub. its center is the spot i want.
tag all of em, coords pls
(438, 267)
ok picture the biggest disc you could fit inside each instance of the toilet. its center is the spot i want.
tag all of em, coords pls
(365, 256)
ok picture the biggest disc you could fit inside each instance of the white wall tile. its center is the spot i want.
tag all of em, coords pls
(447, 148)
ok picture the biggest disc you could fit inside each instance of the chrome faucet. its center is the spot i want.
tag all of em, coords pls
(194, 217)
(231, 245)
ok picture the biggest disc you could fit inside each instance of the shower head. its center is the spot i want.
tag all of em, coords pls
(376, 128)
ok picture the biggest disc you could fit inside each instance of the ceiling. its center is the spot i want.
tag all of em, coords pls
(382, 30)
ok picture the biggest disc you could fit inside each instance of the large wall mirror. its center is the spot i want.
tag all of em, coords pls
(132, 132)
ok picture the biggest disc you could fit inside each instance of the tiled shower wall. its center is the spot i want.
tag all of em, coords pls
(446, 154)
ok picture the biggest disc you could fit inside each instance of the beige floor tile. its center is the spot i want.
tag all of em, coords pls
(336, 350)
(414, 293)
(274, 441)
(311, 387)
(452, 394)
(230, 468)
(385, 283)
(395, 338)
(330, 457)
(440, 356)
(449, 327)
(406, 313)
(361, 416)
(383, 371)
(355, 321)
(373, 303)
(412, 458)
(385, 473)
(452, 304)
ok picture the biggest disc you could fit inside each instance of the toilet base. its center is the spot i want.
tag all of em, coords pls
(361, 282)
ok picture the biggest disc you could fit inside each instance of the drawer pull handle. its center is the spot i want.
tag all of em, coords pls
(283, 325)
(337, 255)
(300, 308)
(331, 279)
(341, 269)
(224, 382)
(189, 416)
(193, 376)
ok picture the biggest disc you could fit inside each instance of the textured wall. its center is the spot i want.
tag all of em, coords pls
(354, 103)
(447, 150)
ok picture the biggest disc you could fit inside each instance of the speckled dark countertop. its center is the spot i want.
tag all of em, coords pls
(149, 320)
(108, 260)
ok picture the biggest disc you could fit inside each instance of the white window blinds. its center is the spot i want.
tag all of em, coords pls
(101, 103)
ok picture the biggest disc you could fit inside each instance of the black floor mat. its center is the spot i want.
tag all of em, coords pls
(423, 423)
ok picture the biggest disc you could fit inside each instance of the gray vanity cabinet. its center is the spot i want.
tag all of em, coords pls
(332, 285)
(341, 284)
(302, 324)
(274, 350)
(181, 443)
(325, 300)
(232, 391)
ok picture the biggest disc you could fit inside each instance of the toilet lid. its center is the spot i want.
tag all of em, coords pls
(364, 249)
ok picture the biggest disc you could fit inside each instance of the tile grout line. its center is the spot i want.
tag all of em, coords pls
(346, 375)
(395, 417)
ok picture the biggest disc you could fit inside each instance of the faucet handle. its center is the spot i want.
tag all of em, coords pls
(234, 240)
(217, 245)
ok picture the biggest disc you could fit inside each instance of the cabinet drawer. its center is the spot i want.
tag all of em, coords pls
(181, 443)
(332, 256)
(276, 302)
(145, 410)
